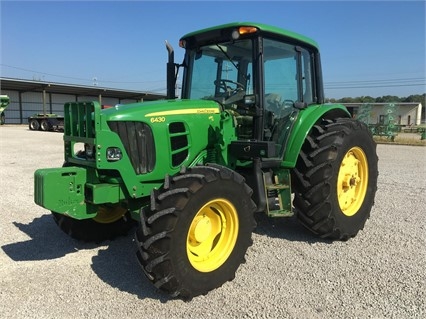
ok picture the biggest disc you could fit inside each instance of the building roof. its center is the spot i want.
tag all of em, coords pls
(74, 89)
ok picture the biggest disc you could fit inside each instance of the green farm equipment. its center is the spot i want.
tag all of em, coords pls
(250, 132)
(4, 102)
(387, 123)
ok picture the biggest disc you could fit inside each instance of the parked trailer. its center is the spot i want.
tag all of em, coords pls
(45, 122)
(49, 122)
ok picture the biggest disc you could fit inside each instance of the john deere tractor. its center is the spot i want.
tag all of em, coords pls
(250, 134)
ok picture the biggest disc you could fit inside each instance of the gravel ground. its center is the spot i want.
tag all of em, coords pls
(289, 273)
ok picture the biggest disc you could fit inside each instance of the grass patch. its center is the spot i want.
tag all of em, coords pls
(402, 139)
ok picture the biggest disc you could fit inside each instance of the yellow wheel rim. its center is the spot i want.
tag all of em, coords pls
(352, 181)
(109, 214)
(212, 235)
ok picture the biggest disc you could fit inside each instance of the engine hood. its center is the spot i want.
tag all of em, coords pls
(146, 111)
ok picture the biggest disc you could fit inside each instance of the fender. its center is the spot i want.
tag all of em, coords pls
(304, 122)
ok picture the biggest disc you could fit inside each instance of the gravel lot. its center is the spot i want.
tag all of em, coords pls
(289, 273)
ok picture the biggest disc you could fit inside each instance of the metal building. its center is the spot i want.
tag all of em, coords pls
(30, 97)
(405, 113)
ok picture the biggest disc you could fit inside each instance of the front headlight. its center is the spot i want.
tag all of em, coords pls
(113, 154)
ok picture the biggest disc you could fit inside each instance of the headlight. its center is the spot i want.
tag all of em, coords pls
(113, 154)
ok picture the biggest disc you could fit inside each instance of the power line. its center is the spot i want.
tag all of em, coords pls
(332, 85)
(80, 79)
(375, 81)
(378, 83)
(372, 86)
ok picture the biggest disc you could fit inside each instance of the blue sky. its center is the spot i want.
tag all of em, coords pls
(368, 47)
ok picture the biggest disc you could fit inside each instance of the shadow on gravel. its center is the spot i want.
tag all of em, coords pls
(118, 267)
(47, 242)
(288, 228)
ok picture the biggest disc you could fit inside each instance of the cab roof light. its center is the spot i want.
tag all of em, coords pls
(243, 30)
(246, 30)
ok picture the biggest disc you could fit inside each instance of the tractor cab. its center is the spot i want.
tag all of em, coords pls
(262, 79)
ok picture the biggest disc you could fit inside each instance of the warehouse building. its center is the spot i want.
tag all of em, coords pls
(403, 113)
(31, 97)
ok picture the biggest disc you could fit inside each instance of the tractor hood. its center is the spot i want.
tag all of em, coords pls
(158, 110)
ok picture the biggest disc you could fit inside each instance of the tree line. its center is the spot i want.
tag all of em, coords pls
(418, 98)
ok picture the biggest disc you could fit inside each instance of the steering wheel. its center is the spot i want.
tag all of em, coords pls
(222, 84)
(232, 94)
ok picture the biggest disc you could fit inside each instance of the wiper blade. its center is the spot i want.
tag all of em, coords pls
(227, 56)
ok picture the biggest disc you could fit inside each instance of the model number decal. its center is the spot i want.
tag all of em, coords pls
(158, 119)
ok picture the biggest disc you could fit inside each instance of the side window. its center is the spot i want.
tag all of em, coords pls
(281, 72)
(287, 79)
(203, 78)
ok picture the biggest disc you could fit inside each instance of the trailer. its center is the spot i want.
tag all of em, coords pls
(49, 121)
(45, 122)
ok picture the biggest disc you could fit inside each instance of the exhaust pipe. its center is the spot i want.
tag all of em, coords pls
(171, 72)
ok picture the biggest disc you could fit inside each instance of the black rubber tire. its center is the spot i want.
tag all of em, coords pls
(34, 125)
(164, 227)
(88, 230)
(45, 125)
(315, 177)
(2, 119)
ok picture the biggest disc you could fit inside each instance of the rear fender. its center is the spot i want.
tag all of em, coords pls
(305, 121)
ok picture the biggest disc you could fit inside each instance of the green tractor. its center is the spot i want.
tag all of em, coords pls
(251, 133)
(4, 102)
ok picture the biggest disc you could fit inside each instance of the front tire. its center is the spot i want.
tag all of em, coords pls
(196, 233)
(335, 178)
(109, 223)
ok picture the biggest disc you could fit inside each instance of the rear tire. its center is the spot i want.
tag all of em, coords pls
(196, 233)
(45, 125)
(335, 178)
(34, 125)
(2, 119)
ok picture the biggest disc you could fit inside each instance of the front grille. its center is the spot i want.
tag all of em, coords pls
(78, 119)
(178, 142)
(138, 142)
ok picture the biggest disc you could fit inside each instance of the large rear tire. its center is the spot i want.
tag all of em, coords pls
(335, 178)
(196, 233)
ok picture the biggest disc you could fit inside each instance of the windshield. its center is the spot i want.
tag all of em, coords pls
(221, 72)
